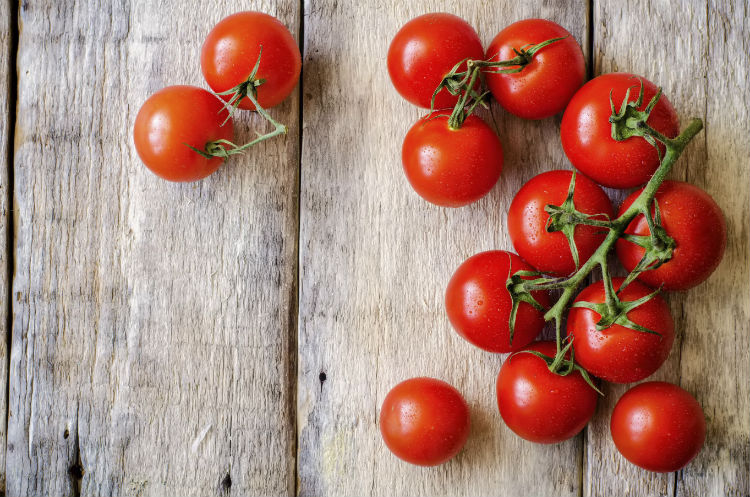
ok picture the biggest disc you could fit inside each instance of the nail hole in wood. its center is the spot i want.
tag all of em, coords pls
(322, 377)
(226, 483)
(76, 471)
(66, 433)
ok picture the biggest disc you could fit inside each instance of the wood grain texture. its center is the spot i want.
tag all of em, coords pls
(6, 95)
(375, 259)
(151, 350)
(699, 54)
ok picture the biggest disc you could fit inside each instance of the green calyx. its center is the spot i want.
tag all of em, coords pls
(464, 83)
(630, 121)
(247, 89)
(563, 364)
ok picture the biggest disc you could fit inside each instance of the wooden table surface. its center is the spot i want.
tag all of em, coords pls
(238, 335)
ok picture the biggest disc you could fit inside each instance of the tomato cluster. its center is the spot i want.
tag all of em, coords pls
(618, 131)
(185, 133)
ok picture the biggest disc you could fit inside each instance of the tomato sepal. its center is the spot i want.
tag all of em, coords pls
(658, 246)
(562, 365)
(515, 284)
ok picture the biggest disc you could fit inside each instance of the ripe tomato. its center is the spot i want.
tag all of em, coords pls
(658, 426)
(586, 132)
(695, 222)
(172, 118)
(479, 305)
(424, 50)
(424, 421)
(619, 354)
(549, 252)
(541, 406)
(547, 83)
(232, 48)
(452, 167)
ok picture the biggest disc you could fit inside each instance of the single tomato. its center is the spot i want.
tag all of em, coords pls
(231, 51)
(479, 304)
(617, 353)
(550, 252)
(586, 132)
(658, 426)
(541, 406)
(696, 223)
(171, 119)
(452, 167)
(424, 421)
(424, 50)
(547, 83)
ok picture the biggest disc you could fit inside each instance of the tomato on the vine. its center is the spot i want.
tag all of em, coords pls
(547, 83)
(170, 120)
(424, 50)
(541, 406)
(696, 223)
(617, 353)
(658, 426)
(586, 131)
(452, 167)
(479, 304)
(424, 421)
(233, 47)
(550, 252)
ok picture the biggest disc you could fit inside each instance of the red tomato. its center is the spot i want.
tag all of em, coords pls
(232, 48)
(695, 222)
(619, 354)
(527, 221)
(541, 406)
(170, 119)
(452, 167)
(424, 421)
(424, 50)
(658, 426)
(479, 305)
(547, 83)
(587, 133)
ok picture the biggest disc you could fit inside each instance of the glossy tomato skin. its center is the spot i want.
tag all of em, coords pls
(696, 223)
(175, 116)
(452, 167)
(541, 406)
(545, 86)
(424, 421)
(424, 50)
(527, 221)
(478, 303)
(618, 354)
(586, 132)
(658, 426)
(231, 50)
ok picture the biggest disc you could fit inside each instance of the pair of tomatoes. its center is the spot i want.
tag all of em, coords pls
(454, 165)
(181, 131)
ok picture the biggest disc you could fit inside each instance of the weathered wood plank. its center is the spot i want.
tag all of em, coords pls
(375, 260)
(151, 321)
(6, 95)
(698, 54)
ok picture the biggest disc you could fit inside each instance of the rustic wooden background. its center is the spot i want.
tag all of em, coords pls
(236, 336)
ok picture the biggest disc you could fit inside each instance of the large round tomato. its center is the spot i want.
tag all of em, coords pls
(424, 421)
(541, 406)
(232, 48)
(549, 252)
(424, 50)
(695, 222)
(617, 353)
(171, 119)
(452, 167)
(587, 133)
(547, 83)
(658, 426)
(479, 305)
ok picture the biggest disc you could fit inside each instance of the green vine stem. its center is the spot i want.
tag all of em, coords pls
(246, 89)
(626, 124)
(464, 83)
